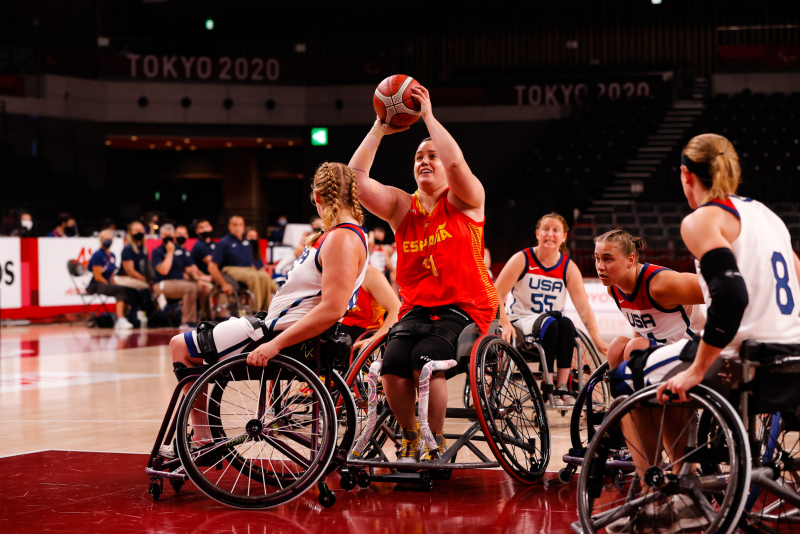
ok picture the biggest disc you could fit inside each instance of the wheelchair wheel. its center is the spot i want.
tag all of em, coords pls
(765, 511)
(644, 504)
(273, 432)
(582, 423)
(356, 380)
(510, 411)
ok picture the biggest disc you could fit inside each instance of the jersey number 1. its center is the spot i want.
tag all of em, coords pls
(782, 284)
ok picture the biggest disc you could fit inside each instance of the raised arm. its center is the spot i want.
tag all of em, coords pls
(373, 195)
(578, 295)
(463, 184)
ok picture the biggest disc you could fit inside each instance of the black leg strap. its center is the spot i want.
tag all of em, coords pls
(205, 342)
(636, 365)
(537, 324)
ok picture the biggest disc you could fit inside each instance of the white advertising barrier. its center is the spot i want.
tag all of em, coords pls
(609, 319)
(55, 283)
(10, 273)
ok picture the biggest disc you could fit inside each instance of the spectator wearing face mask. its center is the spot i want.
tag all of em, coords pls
(204, 246)
(25, 226)
(276, 236)
(174, 274)
(251, 234)
(102, 265)
(204, 281)
(66, 227)
(133, 272)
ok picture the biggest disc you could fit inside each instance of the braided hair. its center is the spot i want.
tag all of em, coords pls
(335, 183)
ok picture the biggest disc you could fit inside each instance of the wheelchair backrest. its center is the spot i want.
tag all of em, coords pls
(468, 337)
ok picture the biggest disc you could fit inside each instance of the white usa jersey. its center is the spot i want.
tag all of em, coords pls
(765, 258)
(303, 288)
(539, 289)
(647, 318)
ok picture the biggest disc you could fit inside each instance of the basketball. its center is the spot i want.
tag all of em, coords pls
(393, 101)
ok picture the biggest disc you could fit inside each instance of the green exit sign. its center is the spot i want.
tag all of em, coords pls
(319, 136)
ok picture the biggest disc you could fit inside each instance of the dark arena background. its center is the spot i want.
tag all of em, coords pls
(169, 113)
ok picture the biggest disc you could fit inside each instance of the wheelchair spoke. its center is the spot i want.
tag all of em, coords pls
(224, 392)
(236, 385)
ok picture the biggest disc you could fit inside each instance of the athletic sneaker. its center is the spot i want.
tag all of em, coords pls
(568, 400)
(557, 401)
(442, 443)
(123, 324)
(410, 448)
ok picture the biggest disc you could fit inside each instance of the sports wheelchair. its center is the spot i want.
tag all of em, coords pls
(739, 467)
(511, 418)
(586, 360)
(238, 304)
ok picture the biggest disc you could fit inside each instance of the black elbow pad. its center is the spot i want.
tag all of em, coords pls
(728, 296)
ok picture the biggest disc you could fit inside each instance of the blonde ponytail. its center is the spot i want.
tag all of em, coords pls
(335, 183)
(716, 153)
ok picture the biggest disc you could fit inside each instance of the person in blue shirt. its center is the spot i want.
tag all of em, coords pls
(134, 270)
(66, 226)
(176, 274)
(234, 257)
(204, 246)
(102, 265)
(252, 236)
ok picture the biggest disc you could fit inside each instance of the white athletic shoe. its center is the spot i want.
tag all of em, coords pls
(123, 324)
(568, 400)
(557, 401)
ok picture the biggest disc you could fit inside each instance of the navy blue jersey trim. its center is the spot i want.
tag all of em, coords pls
(284, 312)
(636, 287)
(566, 266)
(655, 304)
(527, 264)
(542, 267)
(350, 226)
(614, 294)
(723, 206)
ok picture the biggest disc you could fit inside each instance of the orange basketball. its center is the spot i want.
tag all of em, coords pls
(393, 101)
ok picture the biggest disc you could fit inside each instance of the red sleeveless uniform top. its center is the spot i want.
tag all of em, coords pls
(368, 313)
(440, 262)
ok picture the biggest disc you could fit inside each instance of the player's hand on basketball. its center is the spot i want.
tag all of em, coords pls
(422, 96)
(679, 385)
(262, 355)
(389, 129)
(508, 330)
(227, 289)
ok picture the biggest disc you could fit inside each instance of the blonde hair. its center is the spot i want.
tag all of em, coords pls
(724, 172)
(629, 244)
(563, 221)
(129, 236)
(336, 184)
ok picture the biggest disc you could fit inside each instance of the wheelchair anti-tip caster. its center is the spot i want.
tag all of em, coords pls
(565, 474)
(364, 480)
(326, 497)
(348, 481)
(427, 483)
(156, 487)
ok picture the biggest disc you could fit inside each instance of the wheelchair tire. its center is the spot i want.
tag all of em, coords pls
(595, 487)
(577, 437)
(292, 414)
(520, 442)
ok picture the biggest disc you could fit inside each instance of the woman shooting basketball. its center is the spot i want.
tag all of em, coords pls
(440, 270)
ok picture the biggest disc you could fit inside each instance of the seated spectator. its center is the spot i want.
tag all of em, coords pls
(276, 235)
(134, 272)
(251, 234)
(204, 281)
(66, 227)
(103, 264)
(234, 256)
(203, 247)
(285, 264)
(175, 275)
(25, 226)
(151, 223)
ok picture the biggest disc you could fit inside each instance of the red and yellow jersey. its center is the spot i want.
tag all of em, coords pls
(368, 312)
(440, 262)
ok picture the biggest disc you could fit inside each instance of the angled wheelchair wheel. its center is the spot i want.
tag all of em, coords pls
(586, 417)
(670, 477)
(510, 409)
(270, 432)
(356, 380)
(775, 508)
